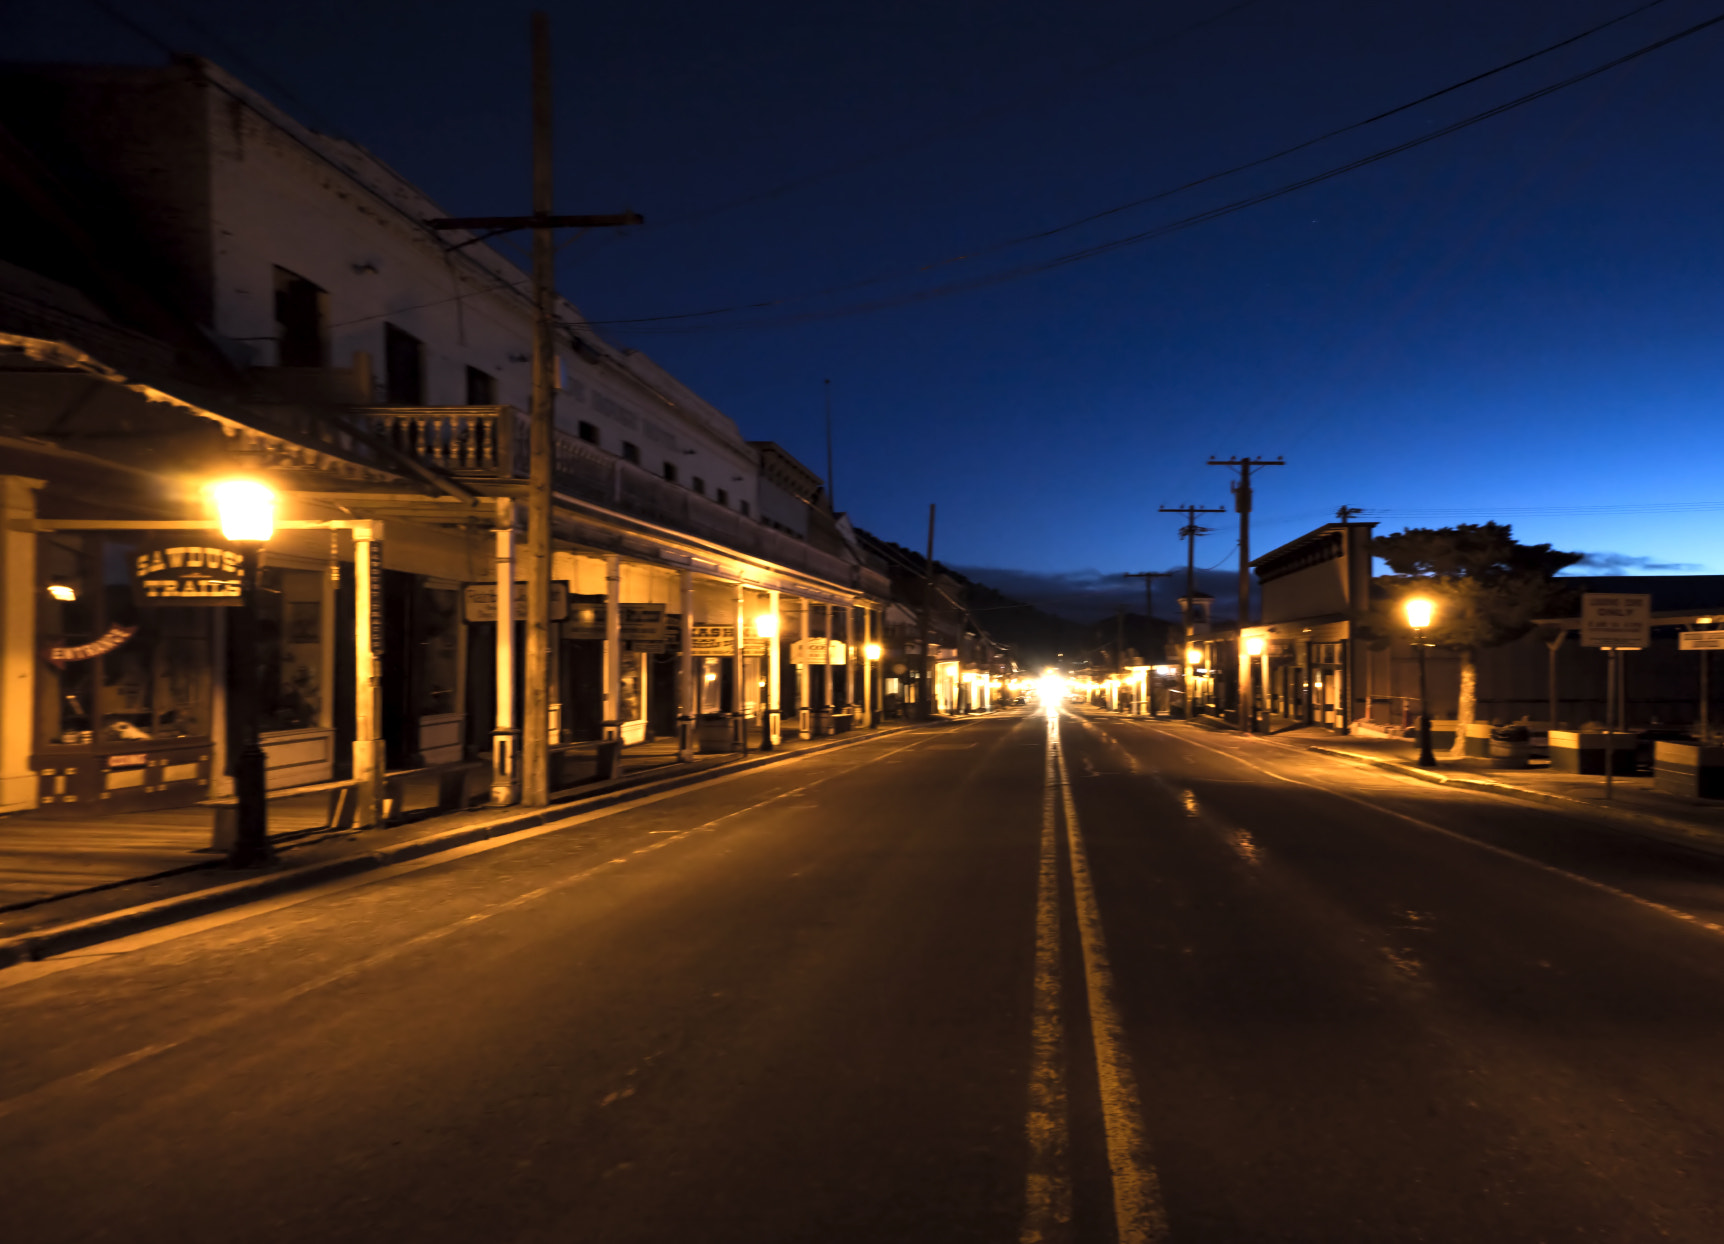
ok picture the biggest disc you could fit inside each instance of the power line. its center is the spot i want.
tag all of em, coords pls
(957, 127)
(1196, 218)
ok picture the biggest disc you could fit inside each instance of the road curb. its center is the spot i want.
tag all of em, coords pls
(108, 926)
(1648, 824)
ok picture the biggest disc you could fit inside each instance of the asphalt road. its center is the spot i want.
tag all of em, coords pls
(980, 982)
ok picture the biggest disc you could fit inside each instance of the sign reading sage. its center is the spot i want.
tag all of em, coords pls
(181, 572)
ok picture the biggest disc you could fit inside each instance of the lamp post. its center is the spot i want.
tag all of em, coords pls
(246, 512)
(766, 627)
(1253, 650)
(1419, 617)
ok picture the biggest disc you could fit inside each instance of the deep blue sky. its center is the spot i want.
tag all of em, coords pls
(1519, 321)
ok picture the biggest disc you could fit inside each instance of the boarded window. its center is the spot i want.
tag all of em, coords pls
(403, 367)
(481, 388)
(301, 321)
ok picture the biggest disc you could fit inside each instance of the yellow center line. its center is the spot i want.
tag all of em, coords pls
(1139, 1216)
(1047, 1191)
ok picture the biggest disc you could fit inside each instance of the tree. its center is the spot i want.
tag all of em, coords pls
(1487, 588)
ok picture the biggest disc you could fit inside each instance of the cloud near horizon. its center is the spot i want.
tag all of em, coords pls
(1090, 595)
(1626, 563)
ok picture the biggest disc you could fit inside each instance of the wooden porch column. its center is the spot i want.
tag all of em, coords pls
(686, 703)
(505, 735)
(368, 762)
(18, 588)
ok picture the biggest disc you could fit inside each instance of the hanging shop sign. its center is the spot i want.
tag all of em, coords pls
(818, 651)
(111, 639)
(644, 628)
(479, 601)
(209, 572)
(712, 641)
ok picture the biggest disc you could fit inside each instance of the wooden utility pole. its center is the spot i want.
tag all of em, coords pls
(535, 725)
(1149, 577)
(1242, 504)
(1189, 534)
(926, 694)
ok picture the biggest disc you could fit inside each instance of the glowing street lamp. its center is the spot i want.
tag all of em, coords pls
(766, 626)
(1419, 611)
(871, 652)
(245, 510)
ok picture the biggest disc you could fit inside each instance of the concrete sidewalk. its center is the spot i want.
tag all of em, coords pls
(1634, 804)
(195, 883)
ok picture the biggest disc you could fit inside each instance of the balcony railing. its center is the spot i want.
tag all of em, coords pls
(493, 442)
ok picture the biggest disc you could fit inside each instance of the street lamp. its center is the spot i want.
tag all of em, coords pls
(766, 627)
(246, 511)
(1419, 612)
(1253, 650)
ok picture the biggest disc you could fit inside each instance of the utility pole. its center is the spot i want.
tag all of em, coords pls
(926, 693)
(1350, 653)
(1189, 534)
(1242, 504)
(535, 725)
(1149, 577)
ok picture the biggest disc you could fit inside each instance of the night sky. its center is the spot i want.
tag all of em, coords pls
(1517, 321)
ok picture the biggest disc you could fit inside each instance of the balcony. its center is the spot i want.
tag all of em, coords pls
(493, 442)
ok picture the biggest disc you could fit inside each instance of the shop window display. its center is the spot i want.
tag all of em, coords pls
(111, 671)
(290, 648)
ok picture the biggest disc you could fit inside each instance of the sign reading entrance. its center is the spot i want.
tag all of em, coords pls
(480, 601)
(1615, 619)
(205, 573)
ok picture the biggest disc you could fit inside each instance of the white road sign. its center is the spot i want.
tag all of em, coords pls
(1701, 641)
(1615, 619)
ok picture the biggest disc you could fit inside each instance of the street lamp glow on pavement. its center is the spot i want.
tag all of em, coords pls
(1419, 612)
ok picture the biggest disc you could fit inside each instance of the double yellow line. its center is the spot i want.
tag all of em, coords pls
(1139, 1217)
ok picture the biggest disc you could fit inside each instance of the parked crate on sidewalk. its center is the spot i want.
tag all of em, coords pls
(1692, 770)
(1583, 751)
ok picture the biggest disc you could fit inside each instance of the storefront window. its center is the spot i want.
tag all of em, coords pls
(437, 649)
(712, 684)
(631, 680)
(112, 671)
(290, 648)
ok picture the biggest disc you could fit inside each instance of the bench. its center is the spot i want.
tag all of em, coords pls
(343, 803)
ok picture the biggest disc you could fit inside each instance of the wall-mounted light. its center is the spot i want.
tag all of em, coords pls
(766, 626)
(62, 591)
(871, 651)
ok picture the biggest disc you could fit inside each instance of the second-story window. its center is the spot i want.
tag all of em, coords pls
(631, 452)
(403, 368)
(743, 506)
(723, 497)
(481, 388)
(699, 485)
(301, 322)
(589, 433)
(670, 471)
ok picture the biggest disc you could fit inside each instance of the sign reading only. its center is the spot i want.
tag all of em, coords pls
(1615, 619)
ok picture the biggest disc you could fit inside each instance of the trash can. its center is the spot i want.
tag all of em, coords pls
(1510, 747)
